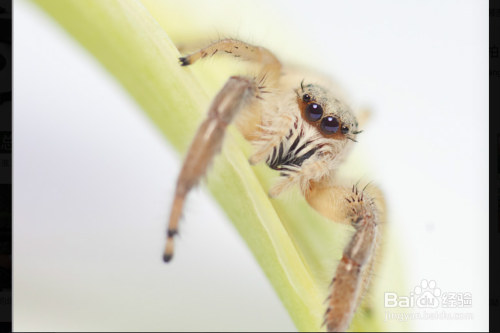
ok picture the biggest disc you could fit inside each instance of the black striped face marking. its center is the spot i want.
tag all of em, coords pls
(294, 156)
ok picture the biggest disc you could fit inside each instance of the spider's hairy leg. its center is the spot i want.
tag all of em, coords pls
(364, 210)
(237, 94)
(270, 64)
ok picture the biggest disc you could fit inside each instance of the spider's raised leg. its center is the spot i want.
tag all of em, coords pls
(237, 94)
(270, 64)
(364, 210)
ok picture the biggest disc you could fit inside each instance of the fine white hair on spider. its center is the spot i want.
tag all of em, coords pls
(299, 125)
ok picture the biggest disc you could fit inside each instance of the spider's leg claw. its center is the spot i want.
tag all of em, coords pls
(184, 61)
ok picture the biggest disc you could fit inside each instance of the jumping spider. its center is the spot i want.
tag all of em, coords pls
(304, 130)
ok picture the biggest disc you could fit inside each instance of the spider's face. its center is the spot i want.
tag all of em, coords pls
(332, 118)
(315, 129)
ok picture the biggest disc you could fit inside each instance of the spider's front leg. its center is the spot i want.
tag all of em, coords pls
(237, 94)
(364, 210)
(270, 65)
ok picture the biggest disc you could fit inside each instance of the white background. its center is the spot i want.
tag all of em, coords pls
(93, 178)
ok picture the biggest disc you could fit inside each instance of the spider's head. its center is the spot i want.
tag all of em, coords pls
(332, 118)
(313, 133)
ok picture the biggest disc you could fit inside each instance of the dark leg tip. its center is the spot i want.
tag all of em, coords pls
(184, 61)
(167, 257)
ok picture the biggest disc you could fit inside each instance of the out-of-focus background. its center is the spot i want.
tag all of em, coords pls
(94, 178)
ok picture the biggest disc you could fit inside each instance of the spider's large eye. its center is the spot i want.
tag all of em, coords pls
(314, 112)
(329, 125)
(345, 129)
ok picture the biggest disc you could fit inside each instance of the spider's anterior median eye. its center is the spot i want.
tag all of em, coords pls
(345, 129)
(306, 98)
(314, 112)
(329, 125)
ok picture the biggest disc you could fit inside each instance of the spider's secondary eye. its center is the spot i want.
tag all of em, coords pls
(314, 112)
(306, 98)
(329, 125)
(345, 129)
